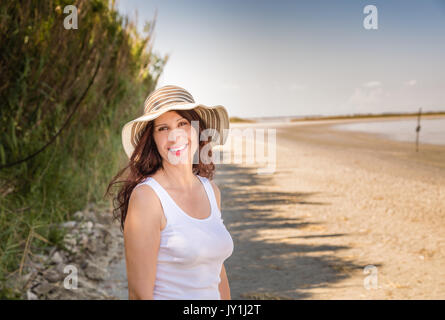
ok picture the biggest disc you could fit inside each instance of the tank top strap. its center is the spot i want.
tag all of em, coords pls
(210, 194)
(167, 205)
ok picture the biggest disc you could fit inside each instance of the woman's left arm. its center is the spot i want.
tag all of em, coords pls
(224, 288)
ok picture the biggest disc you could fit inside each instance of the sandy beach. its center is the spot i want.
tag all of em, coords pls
(336, 203)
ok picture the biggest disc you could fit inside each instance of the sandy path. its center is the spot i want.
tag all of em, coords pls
(336, 203)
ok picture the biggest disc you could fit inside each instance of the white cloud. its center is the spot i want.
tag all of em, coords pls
(368, 95)
(365, 97)
(372, 84)
(411, 83)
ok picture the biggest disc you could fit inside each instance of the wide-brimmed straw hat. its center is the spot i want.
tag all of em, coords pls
(169, 98)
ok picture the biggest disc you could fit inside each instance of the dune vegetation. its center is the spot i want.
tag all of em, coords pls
(64, 97)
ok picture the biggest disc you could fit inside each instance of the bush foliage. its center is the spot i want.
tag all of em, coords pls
(64, 96)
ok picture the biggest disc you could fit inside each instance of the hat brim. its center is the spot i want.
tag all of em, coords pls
(215, 117)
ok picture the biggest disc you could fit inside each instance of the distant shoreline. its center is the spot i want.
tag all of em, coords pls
(367, 116)
(340, 117)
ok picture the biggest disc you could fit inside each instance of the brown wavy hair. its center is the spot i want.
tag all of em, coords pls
(146, 160)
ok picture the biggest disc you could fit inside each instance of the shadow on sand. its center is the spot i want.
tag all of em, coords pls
(263, 269)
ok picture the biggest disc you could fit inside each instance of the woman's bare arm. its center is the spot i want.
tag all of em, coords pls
(142, 232)
(224, 288)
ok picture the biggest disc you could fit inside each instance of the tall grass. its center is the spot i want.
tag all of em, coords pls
(64, 97)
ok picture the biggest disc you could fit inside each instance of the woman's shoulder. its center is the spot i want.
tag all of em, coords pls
(143, 200)
(216, 191)
(147, 180)
(213, 184)
(144, 194)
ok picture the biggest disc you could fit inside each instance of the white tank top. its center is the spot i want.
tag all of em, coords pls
(191, 251)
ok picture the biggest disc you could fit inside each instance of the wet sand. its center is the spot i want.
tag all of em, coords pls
(336, 203)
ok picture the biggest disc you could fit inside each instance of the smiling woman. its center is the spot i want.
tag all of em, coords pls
(182, 122)
(170, 210)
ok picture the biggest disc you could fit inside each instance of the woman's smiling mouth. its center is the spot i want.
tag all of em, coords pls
(178, 149)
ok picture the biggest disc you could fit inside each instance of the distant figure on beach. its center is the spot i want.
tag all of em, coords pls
(169, 207)
(418, 130)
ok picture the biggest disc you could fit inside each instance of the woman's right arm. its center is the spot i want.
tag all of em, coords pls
(142, 232)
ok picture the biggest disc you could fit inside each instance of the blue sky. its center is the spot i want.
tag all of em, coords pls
(294, 58)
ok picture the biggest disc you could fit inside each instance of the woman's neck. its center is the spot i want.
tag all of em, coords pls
(179, 177)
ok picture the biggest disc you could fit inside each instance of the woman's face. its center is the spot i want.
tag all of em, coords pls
(175, 137)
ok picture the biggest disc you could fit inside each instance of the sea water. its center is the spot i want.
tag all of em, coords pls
(432, 131)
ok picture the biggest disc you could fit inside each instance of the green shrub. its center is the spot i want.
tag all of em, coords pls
(64, 97)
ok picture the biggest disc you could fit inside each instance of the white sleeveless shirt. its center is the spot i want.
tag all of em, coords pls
(191, 251)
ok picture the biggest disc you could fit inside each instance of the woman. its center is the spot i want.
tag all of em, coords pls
(169, 209)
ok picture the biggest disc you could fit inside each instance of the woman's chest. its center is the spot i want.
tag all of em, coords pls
(196, 204)
(190, 243)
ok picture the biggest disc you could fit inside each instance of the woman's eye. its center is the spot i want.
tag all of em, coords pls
(181, 123)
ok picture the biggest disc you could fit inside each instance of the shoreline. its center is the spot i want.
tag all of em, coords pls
(320, 134)
(325, 120)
